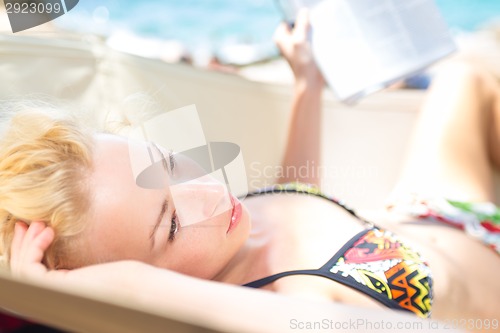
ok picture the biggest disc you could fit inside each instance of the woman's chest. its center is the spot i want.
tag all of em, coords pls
(303, 231)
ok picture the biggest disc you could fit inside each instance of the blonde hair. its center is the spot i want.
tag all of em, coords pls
(45, 161)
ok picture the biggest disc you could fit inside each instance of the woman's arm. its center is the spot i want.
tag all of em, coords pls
(303, 148)
(208, 304)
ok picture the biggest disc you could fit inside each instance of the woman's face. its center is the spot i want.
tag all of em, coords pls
(193, 227)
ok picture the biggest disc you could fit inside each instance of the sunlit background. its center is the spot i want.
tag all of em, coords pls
(235, 31)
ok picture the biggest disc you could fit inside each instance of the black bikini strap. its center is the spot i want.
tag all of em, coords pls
(390, 303)
(291, 188)
(264, 281)
(321, 272)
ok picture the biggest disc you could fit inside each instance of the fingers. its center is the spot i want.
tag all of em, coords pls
(282, 37)
(285, 37)
(28, 247)
(301, 30)
(295, 46)
(17, 241)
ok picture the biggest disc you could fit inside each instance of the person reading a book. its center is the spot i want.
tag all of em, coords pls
(70, 209)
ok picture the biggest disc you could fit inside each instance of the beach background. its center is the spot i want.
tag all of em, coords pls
(236, 32)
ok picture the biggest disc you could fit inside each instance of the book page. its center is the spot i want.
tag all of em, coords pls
(364, 45)
(402, 34)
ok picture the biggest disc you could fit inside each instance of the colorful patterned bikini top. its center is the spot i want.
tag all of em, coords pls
(375, 262)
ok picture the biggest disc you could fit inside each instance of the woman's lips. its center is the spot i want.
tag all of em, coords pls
(235, 214)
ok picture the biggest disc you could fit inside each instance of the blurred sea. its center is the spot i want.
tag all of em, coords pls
(207, 27)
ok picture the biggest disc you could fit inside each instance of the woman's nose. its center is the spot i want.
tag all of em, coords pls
(199, 200)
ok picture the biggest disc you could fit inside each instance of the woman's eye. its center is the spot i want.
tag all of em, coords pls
(174, 227)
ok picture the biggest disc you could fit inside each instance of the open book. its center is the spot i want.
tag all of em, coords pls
(362, 46)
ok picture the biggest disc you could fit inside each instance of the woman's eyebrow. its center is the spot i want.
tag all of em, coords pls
(163, 210)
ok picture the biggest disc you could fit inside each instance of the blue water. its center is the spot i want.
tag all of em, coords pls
(214, 23)
(469, 15)
(196, 23)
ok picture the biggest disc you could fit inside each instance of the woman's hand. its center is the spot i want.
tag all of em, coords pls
(295, 46)
(28, 247)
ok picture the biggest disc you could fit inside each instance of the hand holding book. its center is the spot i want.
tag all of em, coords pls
(295, 46)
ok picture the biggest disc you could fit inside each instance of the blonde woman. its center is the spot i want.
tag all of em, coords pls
(69, 201)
